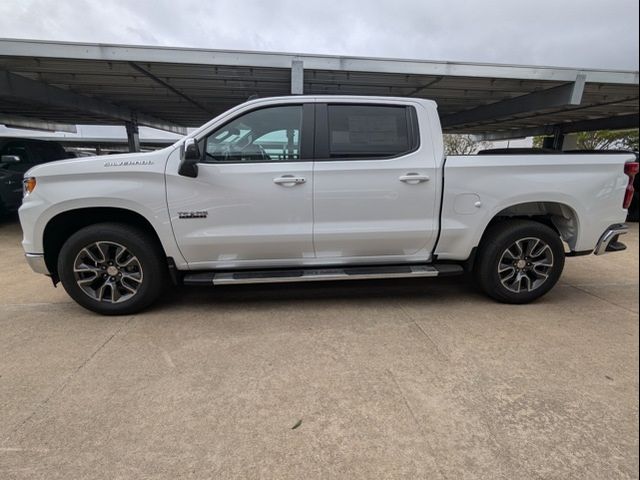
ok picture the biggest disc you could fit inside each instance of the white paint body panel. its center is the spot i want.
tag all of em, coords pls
(347, 212)
(363, 209)
(591, 185)
(86, 182)
(250, 218)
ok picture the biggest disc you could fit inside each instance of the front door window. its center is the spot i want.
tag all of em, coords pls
(264, 135)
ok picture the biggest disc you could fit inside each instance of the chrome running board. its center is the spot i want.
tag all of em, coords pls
(320, 274)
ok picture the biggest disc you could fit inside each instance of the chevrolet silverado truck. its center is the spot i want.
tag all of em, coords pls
(310, 188)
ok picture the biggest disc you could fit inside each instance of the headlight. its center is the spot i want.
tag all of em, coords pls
(28, 185)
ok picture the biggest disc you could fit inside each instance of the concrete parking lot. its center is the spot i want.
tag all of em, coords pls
(383, 379)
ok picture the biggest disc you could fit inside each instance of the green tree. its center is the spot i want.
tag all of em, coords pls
(462, 144)
(602, 140)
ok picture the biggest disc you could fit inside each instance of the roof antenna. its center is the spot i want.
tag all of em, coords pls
(253, 97)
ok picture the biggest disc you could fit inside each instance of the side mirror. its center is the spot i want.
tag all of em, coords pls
(190, 158)
(10, 159)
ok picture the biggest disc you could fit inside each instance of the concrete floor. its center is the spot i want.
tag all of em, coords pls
(390, 379)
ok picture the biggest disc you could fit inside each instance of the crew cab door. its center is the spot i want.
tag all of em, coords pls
(375, 184)
(251, 202)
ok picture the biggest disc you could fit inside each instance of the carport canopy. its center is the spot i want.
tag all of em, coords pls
(54, 85)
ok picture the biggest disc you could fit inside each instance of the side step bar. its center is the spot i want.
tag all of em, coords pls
(318, 274)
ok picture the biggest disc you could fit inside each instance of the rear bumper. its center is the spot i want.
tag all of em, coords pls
(608, 236)
(37, 263)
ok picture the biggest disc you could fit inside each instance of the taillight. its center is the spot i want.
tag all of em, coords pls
(631, 170)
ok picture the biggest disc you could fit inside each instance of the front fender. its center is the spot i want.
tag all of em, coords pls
(141, 193)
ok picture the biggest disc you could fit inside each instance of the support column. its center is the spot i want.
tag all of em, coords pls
(555, 142)
(297, 77)
(133, 138)
(570, 142)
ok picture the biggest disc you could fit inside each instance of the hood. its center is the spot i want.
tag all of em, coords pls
(144, 161)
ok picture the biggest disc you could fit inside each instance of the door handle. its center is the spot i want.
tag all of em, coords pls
(289, 180)
(413, 178)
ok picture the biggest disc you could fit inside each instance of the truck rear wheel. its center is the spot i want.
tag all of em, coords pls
(519, 261)
(112, 269)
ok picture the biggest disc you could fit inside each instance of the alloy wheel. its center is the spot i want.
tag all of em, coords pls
(108, 272)
(525, 265)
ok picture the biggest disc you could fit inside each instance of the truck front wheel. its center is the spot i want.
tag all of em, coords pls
(519, 261)
(112, 269)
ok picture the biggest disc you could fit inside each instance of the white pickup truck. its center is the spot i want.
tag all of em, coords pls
(317, 188)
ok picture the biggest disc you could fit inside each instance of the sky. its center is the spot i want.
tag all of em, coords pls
(572, 33)
(567, 33)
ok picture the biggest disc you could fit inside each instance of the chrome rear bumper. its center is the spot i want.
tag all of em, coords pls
(37, 263)
(611, 233)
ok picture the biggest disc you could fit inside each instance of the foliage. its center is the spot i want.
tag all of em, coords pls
(538, 141)
(459, 144)
(602, 140)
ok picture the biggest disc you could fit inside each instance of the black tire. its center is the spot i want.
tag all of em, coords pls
(149, 268)
(499, 244)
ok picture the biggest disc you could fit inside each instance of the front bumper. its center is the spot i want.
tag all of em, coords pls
(37, 263)
(610, 235)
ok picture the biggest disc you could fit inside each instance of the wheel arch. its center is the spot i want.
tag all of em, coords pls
(559, 216)
(64, 224)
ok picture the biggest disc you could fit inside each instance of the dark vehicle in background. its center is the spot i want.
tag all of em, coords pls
(17, 155)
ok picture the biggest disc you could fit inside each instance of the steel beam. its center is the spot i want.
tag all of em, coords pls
(555, 141)
(194, 56)
(16, 121)
(297, 77)
(133, 136)
(23, 88)
(619, 122)
(563, 95)
(169, 87)
(422, 88)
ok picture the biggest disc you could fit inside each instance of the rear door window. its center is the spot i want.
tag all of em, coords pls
(370, 131)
